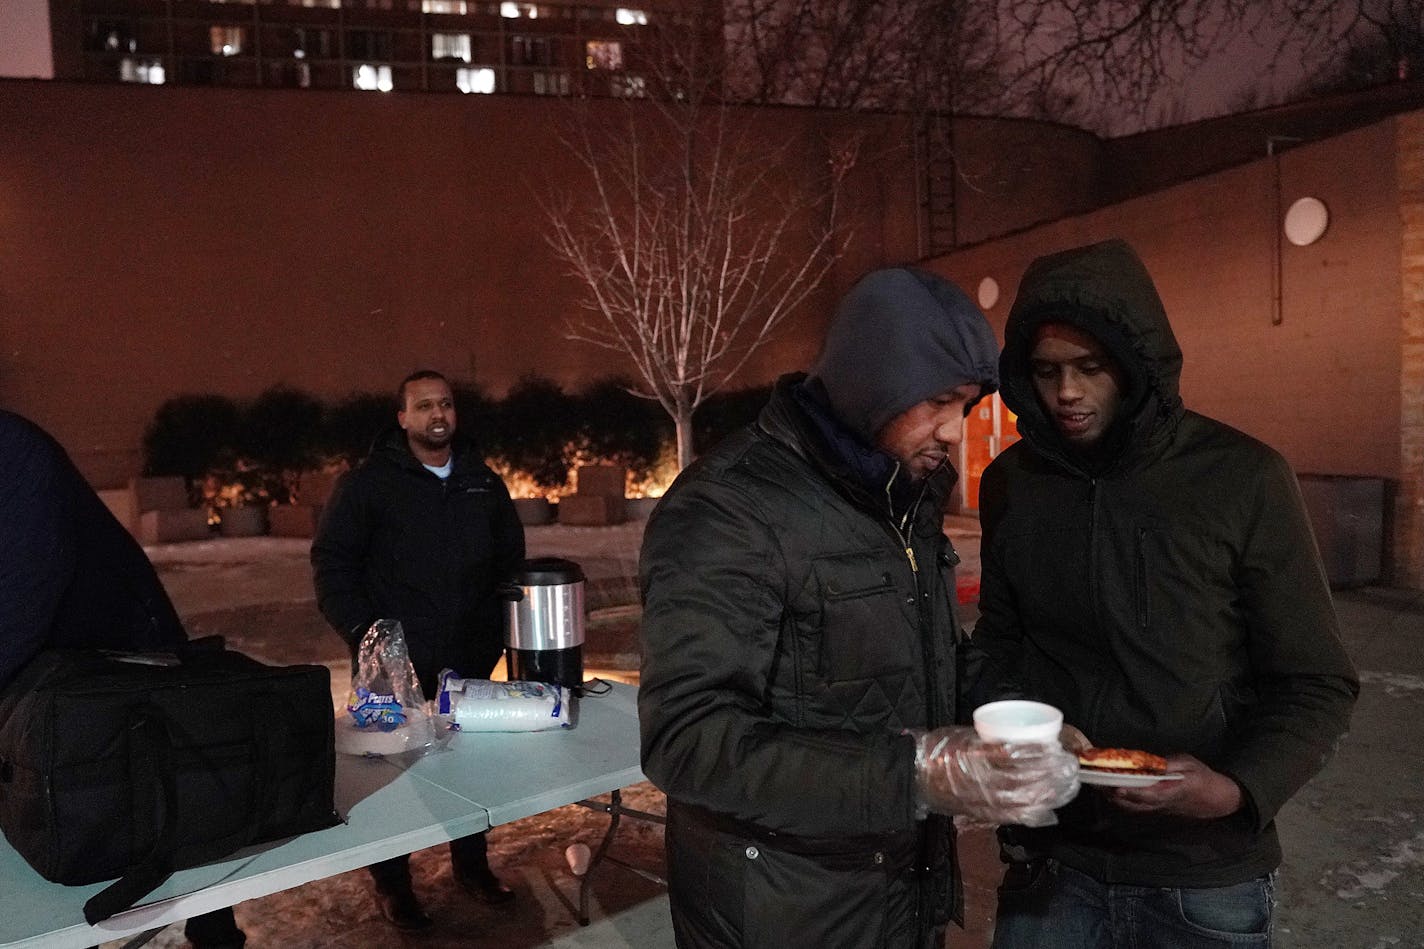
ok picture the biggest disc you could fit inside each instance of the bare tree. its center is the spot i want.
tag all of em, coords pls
(1056, 59)
(1114, 53)
(1100, 63)
(1368, 43)
(691, 241)
(857, 54)
(1119, 54)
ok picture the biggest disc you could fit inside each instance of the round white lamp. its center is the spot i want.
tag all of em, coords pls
(1306, 221)
(988, 293)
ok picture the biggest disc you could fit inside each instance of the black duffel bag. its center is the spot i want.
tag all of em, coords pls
(137, 765)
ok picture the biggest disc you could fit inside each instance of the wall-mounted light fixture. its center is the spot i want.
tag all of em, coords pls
(988, 293)
(1306, 221)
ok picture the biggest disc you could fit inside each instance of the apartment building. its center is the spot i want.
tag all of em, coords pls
(455, 46)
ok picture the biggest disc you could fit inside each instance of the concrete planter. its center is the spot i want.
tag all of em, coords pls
(639, 509)
(166, 527)
(534, 511)
(243, 522)
(292, 520)
(590, 510)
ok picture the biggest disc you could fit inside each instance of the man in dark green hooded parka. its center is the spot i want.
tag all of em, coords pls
(1152, 573)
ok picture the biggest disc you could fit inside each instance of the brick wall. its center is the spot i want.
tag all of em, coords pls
(1408, 559)
(168, 240)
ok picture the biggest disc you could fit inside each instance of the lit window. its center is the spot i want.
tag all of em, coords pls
(478, 79)
(533, 50)
(331, 4)
(111, 36)
(373, 78)
(551, 83)
(631, 87)
(631, 17)
(513, 11)
(309, 43)
(227, 40)
(443, 6)
(450, 46)
(604, 54)
(142, 70)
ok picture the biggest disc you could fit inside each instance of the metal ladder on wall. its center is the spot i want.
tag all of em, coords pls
(935, 174)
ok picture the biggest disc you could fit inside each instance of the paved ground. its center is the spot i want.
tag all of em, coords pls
(1354, 838)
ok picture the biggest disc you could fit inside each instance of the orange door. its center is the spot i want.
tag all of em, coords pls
(989, 429)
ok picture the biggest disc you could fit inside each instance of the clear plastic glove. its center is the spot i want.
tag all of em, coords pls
(957, 773)
(1073, 740)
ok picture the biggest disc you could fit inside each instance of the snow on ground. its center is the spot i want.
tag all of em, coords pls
(257, 593)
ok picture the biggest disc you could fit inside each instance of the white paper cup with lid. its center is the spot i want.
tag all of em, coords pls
(1018, 720)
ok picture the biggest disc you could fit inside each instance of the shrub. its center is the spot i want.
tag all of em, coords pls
(616, 426)
(351, 426)
(476, 414)
(722, 414)
(192, 434)
(235, 454)
(281, 429)
(534, 431)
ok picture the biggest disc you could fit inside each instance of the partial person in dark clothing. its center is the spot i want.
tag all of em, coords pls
(798, 695)
(71, 576)
(423, 532)
(1152, 573)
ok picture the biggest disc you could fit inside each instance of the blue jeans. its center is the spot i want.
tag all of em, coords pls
(1045, 905)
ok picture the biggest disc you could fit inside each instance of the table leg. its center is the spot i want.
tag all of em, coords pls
(615, 810)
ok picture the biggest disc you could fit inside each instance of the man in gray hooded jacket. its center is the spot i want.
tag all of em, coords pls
(801, 653)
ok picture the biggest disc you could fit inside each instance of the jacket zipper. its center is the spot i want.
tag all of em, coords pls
(903, 532)
(1093, 593)
(927, 654)
(1093, 546)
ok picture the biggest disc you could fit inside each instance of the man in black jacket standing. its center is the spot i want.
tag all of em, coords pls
(1152, 573)
(423, 532)
(801, 654)
(71, 576)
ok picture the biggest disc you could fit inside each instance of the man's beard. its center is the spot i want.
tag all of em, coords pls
(426, 440)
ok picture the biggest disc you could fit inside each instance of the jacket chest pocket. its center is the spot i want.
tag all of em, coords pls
(862, 627)
(1180, 581)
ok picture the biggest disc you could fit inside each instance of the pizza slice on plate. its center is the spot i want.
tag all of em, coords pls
(1122, 761)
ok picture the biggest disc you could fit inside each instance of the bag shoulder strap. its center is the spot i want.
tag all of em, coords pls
(153, 739)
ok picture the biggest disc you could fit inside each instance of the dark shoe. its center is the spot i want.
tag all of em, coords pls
(215, 930)
(486, 887)
(402, 910)
(211, 944)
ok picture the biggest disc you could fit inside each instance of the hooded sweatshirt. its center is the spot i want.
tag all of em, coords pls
(899, 337)
(1166, 594)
